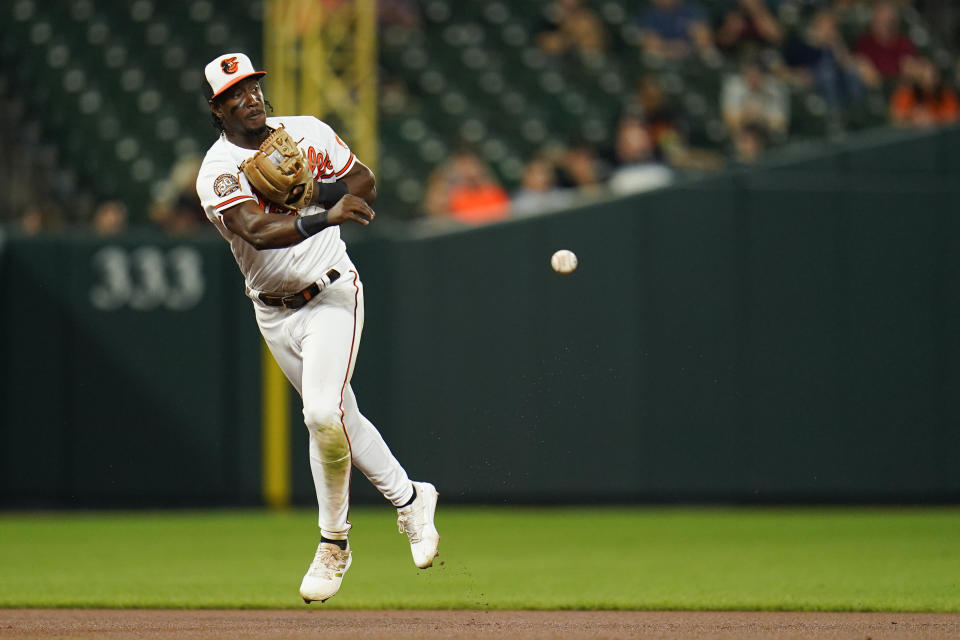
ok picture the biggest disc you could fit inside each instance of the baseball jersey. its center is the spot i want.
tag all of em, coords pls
(221, 185)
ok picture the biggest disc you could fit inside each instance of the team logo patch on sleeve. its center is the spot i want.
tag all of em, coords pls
(341, 142)
(225, 183)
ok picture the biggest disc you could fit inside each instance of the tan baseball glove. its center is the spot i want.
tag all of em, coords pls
(278, 168)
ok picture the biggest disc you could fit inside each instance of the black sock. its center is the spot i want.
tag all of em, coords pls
(412, 498)
(340, 543)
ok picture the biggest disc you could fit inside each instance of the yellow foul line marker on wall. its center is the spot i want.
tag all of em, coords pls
(275, 432)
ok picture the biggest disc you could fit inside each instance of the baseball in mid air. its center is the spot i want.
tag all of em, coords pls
(563, 261)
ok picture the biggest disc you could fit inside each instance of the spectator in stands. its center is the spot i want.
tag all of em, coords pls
(182, 218)
(538, 190)
(667, 127)
(675, 29)
(663, 120)
(580, 168)
(569, 26)
(749, 143)
(637, 169)
(923, 99)
(110, 218)
(884, 45)
(755, 97)
(818, 58)
(42, 217)
(749, 23)
(463, 188)
(178, 211)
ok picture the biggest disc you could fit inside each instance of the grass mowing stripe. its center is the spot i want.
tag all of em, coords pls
(828, 559)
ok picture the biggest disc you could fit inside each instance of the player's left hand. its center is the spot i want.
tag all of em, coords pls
(295, 193)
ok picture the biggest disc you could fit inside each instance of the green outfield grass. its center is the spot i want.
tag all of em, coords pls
(537, 558)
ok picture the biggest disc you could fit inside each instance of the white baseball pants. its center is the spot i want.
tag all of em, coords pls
(316, 348)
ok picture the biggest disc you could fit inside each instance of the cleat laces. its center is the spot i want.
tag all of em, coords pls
(329, 562)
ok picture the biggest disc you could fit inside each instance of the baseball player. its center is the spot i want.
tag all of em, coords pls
(277, 190)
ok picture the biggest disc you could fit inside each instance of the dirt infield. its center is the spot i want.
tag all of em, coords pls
(402, 625)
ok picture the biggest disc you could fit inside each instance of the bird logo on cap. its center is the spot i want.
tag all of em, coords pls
(229, 65)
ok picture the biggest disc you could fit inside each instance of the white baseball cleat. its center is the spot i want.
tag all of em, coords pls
(416, 520)
(323, 578)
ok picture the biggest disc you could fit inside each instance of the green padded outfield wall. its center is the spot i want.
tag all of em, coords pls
(129, 373)
(788, 333)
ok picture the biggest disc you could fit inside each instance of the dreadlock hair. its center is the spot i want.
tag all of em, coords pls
(217, 122)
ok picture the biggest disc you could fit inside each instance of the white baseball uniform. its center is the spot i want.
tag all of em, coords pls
(316, 345)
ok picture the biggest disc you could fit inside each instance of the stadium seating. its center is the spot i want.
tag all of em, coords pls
(115, 87)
